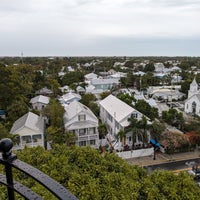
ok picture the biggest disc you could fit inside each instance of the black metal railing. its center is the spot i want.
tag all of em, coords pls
(10, 161)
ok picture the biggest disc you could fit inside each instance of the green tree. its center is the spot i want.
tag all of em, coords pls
(166, 185)
(122, 136)
(173, 117)
(87, 98)
(156, 129)
(143, 125)
(89, 175)
(146, 109)
(72, 77)
(134, 128)
(102, 130)
(54, 111)
(17, 109)
(149, 67)
(3, 131)
(126, 98)
(69, 138)
(103, 95)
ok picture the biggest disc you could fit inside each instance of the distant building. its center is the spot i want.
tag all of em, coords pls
(192, 104)
(80, 90)
(105, 84)
(89, 77)
(64, 89)
(159, 67)
(44, 91)
(69, 97)
(39, 102)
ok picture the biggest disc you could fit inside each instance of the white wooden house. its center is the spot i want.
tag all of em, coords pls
(30, 129)
(80, 119)
(39, 102)
(115, 114)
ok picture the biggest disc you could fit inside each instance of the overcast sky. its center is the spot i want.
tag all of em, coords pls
(100, 27)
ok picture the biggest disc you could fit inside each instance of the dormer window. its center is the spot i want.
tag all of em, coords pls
(82, 117)
(134, 115)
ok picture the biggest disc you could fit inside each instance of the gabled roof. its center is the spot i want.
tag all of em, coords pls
(117, 108)
(74, 108)
(194, 83)
(91, 75)
(101, 81)
(40, 99)
(195, 95)
(79, 88)
(29, 120)
(69, 96)
(44, 90)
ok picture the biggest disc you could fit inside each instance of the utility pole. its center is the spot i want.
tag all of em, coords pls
(22, 57)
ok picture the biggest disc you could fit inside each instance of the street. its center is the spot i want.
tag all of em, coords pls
(173, 165)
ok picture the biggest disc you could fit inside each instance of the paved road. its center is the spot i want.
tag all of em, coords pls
(177, 161)
(173, 165)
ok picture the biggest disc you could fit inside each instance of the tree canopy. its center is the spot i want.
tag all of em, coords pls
(90, 175)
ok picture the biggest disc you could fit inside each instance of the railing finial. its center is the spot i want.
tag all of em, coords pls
(6, 145)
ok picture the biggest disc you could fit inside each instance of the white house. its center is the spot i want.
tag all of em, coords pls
(192, 104)
(159, 67)
(30, 128)
(80, 119)
(44, 91)
(39, 102)
(69, 97)
(105, 84)
(167, 94)
(90, 76)
(80, 90)
(115, 114)
(65, 89)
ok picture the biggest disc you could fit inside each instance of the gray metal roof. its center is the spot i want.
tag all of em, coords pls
(29, 120)
(40, 99)
(75, 108)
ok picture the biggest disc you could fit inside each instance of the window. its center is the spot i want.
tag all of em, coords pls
(26, 139)
(134, 115)
(82, 117)
(82, 131)
(37, 138)
(92, 130)
(82, 143)
(109, 117)
(117, 124)
(92, 142)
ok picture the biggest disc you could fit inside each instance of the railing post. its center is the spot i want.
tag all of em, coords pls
(10, 161)
(5, 147)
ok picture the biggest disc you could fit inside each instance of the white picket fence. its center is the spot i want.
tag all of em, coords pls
(135, 153)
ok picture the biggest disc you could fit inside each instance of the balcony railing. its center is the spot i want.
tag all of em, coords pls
(10, 161)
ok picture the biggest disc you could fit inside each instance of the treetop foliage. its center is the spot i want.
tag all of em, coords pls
(90, 175)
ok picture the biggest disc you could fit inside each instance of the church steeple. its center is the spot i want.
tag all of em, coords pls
(193, 88)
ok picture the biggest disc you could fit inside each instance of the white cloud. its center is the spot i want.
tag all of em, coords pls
(39, 24)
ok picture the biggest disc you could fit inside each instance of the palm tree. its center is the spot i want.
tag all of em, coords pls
(69, 138)
(122, 136)
(102, 130)
(133, 127)
(143, 125)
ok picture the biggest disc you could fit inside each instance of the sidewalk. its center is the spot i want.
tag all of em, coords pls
(163, 158)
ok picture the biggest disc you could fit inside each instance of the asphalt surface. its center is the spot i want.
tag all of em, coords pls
(173, 162)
